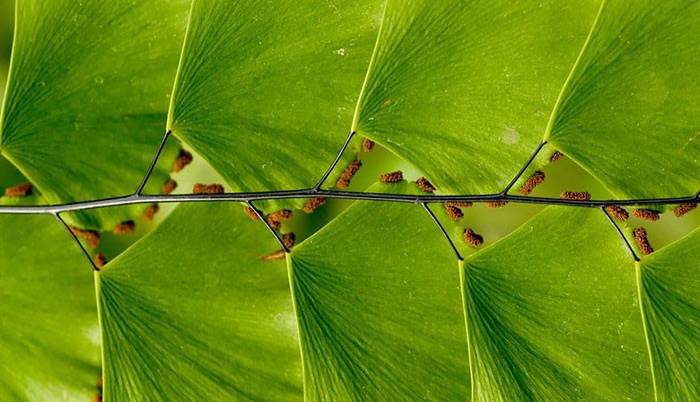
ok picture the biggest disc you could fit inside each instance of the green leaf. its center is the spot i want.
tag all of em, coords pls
(553, 314)
(266, 89)
(476, 81)
(669, 283)
(87, 95)
(379, 308)
(49, 334)
(191, 312)
(629, 114)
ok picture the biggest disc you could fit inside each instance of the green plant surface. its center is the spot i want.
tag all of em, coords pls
(191, 312)
(668, 283)
(380, 314)
(274, 83)
(48, 321)
(87, 96)
(628, 115)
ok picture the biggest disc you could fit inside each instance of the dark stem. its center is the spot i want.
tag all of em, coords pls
(524, 168)
(139, 190)
(76, 240)
(442, 229)
(264, 221)
(335, 162)
(619, 232)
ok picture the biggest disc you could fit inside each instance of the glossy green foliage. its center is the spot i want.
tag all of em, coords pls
(49, 334)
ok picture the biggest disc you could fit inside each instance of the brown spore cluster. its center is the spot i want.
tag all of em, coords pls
(313, 203)
(617, 212)
(169, 186)
(276, 218)
(91, 237)
(183, 159)
(150, 212)
(533, 181)
(640, 237)
(251, 213)
(348, 173)
(575, 195)
(20, 190)
(124, 228)
(472, 238)
(647, 214)
(684, 208)
(367, 145)
(100, 260)
(288, 240)
(496, 204)
(391, 177)
(555, 156)
(425, 186)
(214, 188)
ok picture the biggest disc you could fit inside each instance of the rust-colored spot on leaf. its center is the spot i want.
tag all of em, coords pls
(20, 190)
(169, 186)
(150, 212)
(313, 203)
(684, 208)
(391, 177)
(251, 213)
(367, 145)
(288, 239)
(214, 188)
(575, 195)
(124, 228)
(455, 213)
(425, 186)
(275, 255)
(91, 237)
(640, 236)
(183, 159)
(646, 214)
(472, 238)
(276, 218)
(533, 181)
(496, 204)
(555, 156)
(617, 212)
(459, 204)
(348, 173)
(100, 260)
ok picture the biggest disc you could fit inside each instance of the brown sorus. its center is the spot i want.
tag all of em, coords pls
(646, 214)
(288, 239)
(275, 255)
(214, 188)
(425, 186)
(169, 186)
(533, 181)
(183, 159)
(684, 208)
(91, 237)
(277, 217)
(150, 211)
(251, 213)
(617, 212)
(575, 195)
(459, 204)
(472, 238)
(100, 262)
(640, 236)
(20, 190)
(348, 173)
(391, 177)
(496, 204)
(555, 156)
(367, 145)
(313, 203)
(123, 228)
(453, 212)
